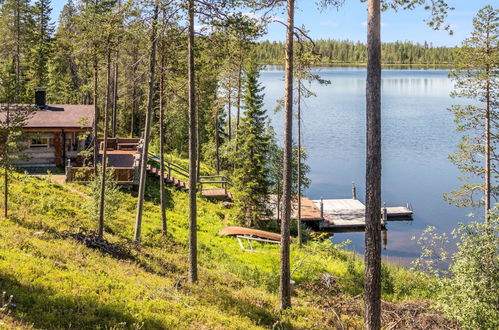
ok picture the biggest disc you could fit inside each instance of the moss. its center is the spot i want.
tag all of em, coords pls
(59, 283)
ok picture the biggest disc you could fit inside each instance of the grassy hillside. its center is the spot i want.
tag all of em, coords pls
(58, 282)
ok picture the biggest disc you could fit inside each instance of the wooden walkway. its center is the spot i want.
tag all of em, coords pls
(340, 215)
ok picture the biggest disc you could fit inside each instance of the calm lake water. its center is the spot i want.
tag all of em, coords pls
(418, 135)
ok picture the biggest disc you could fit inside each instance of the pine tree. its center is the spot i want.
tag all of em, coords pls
(65, 79)
(16, 26)
(41, 51)
(477, 78)
(12, 120)
(251, 175)
(285, 278)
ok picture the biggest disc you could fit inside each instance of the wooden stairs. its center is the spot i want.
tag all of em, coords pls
(169, 179)
(174, 171)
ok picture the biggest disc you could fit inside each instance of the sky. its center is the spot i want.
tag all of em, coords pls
(349, 22)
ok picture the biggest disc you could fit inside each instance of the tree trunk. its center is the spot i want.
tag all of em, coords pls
(96, 120)
(115, 86)
(285, 280)
(193, 268)
(217, 143)
(487, 143)
(100, 229)
(239, 78)
(6, 191)
(147, 128)
(6, 169)
(162, 147)
(229, 112)
(18, 50)
(372, 273)
(198, 139)
(115, 95)
(298, 221)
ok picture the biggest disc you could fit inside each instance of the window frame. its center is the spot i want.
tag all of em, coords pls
(39, 145)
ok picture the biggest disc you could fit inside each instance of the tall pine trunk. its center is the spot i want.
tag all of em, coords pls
(97, 115)
(115, 86)
(372, 273)
(285, 280)
(6, 169)
(115, 95)
(229, 111)
(193, 263)
(239, 82)
(217, 142)
(487, 136)
(487, 153)
(100, 230)
(162, 196)
(198, 139)
(298, 221)
(147, 128)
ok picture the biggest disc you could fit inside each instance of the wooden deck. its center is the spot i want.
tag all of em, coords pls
(216, 193)
(340, 215)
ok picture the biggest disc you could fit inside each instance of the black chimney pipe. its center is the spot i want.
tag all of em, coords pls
(41, 97)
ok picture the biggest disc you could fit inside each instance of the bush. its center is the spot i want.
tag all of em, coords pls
(468, 290)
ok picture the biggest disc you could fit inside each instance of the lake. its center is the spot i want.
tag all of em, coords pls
(418, 134)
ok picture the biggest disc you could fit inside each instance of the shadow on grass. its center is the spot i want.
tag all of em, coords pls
(48, 309)
(260, 314)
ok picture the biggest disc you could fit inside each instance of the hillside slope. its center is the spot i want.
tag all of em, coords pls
(59, 283)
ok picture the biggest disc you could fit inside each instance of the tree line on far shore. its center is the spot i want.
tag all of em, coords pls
(347, 51)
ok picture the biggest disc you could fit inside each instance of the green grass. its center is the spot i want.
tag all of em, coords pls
(58, 283)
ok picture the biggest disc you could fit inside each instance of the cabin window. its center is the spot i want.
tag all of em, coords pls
(39, 143)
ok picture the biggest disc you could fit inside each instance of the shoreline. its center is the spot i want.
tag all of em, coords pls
(387, 65)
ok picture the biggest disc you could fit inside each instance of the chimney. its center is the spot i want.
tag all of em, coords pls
(41, 97)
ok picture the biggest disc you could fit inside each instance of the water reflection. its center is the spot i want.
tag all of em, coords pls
(418, 135)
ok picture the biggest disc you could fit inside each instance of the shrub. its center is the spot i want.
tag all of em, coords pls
(468, 290)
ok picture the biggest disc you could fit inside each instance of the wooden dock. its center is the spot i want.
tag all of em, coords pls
(349, 214)
(342, 215)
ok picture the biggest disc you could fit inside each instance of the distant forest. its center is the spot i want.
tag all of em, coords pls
(345, 51)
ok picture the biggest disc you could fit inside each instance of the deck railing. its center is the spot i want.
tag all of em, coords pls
(221, 180)
(121, 175)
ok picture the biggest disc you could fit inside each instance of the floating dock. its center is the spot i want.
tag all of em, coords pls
(342, 215)
(349, 214)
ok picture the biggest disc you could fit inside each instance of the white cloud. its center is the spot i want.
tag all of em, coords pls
(329, 23)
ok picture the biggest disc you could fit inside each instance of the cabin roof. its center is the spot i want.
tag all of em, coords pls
(61, 116)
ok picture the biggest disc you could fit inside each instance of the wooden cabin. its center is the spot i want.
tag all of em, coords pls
(58, 133)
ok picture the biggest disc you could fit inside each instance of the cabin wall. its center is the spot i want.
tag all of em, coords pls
(52, 148)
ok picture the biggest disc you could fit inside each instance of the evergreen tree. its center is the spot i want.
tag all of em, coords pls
(477, 78)
(12, 120)
(16, 26)
(65, 76)
(252, 173)
(41, 51)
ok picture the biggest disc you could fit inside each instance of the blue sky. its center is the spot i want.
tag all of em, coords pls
(349, 22)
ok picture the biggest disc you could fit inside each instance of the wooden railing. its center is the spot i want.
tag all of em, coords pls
(121, 175)
(170, 167)
(221, 180)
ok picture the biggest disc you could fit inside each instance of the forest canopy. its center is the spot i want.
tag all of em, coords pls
(351, 52)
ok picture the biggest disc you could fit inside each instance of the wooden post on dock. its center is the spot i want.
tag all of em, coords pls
(354, 191)
(322, 209)
(385, 215)
(385, 238)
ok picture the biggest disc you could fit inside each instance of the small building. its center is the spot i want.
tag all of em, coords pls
(59, 132)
